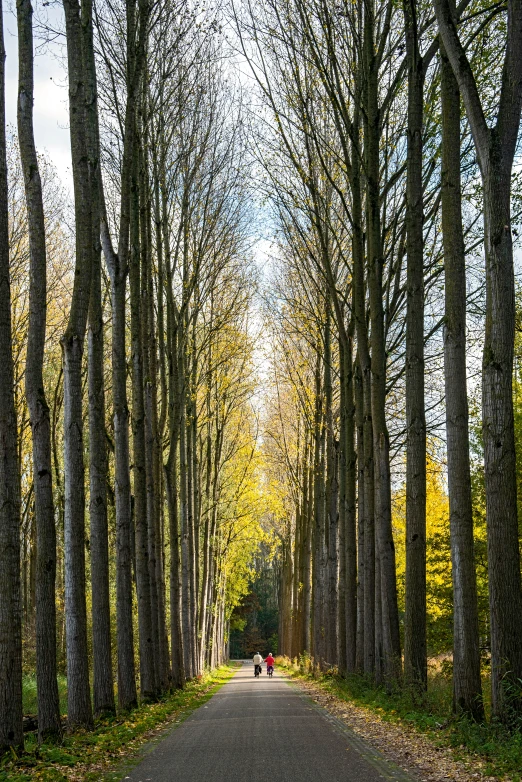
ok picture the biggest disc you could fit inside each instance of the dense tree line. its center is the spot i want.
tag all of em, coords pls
(128, 432)
(386, 141)
(381, 139)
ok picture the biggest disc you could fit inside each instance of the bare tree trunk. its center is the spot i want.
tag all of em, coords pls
(415, 651)
(359, 416)
(171, 483)
(381, 444)
(208, 513)
(178, 671)
(495, 147)
(332, 491)
(162, 419)
(185, 532)
(149, 348)
(147, 679)
(307, 553)
(467, 687)
(49, 722)
(318, 528)
(299, 645)
(127, 695)
(11, 730)
(191, 498)
(350, 541)
(103, 690)
(79, 709)
(99, 545)
(118, 265)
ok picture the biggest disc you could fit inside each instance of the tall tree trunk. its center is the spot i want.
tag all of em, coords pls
(415, 651)
(205, 580)
(171, 468)
(127, 695)
(162, 418)
(184, 515)
(49, 722)
(149, 348)
(191, 447)
(350, 538)
(118, 265)
(79, 708)
(11, 730)
(178, 671)
(359, 418)
(318, 525)
(307, 552)
(467, 687)
(496, 146)
(381, 442)
(505, 594)
(103, 690)
(147, 678)
(366, 509)
(332, 493)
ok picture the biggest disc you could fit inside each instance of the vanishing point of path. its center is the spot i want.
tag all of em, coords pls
(263, 730)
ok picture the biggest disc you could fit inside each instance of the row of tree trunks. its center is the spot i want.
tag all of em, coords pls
(495, 147)
(170, 341)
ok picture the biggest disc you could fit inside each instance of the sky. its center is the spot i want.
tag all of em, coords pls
(51, 121)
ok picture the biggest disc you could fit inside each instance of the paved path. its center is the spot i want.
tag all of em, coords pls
(263, 730)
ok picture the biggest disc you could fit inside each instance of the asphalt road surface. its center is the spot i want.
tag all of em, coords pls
(262, 730)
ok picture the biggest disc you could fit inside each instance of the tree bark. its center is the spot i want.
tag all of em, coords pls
(11, 729)
(49, 721)
(381, 444)
(495, 147)
(332, 495)
(415, 649)
(467, 687)
(350, 538)
(103, 690)
(318, 564)
(359, 419)
(79, 709)
(147, 678)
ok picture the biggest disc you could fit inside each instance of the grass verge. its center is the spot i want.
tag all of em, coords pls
(98, 754)
(490, 748)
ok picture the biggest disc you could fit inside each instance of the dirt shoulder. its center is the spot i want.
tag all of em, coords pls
(405, 746)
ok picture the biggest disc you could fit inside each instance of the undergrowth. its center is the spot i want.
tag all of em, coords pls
(29, 693)
(101, 753)
(498, 748)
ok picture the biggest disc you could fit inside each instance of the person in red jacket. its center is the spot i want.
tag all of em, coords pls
(269, 662)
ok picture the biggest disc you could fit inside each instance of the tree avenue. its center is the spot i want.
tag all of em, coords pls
(186, 421)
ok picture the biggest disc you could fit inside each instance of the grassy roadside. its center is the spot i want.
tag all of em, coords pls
(490, 749)
(97, 755)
